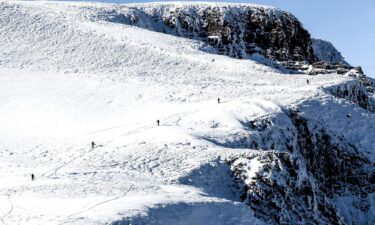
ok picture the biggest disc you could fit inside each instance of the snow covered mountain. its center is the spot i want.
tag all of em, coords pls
(275, 150)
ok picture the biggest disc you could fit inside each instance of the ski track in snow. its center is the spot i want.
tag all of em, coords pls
(10, 208)
(67, 163)
(95, 205)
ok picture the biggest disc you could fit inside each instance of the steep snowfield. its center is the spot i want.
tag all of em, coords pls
(66, 81)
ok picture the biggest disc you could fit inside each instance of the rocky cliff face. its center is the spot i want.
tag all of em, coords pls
(300, 180)
(232, 30)
(325, 51)
(239, 31)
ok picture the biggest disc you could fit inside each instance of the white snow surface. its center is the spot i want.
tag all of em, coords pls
(66, 81)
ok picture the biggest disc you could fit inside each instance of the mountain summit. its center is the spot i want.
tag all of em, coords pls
(177, 114)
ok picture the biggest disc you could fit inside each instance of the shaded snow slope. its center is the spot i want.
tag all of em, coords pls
(67, 80)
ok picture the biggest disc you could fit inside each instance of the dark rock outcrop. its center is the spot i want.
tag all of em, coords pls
(359, 92)
(237, 31)
(298, 181)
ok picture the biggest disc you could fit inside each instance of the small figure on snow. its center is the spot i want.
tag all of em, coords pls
(32, 177)
(158, 122)
(92, 144)
(307, 81)
(218, 101)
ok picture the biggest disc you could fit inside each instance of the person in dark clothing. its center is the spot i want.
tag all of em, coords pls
(32, 177)
(307, 81)
(158, 122)
(93, 144)
(218, 101)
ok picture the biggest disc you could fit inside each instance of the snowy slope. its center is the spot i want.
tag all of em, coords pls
(67, 80)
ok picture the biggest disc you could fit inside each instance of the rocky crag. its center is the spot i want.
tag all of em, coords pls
(239, 31)
(301, 178)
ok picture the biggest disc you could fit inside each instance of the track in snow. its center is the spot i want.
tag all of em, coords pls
(10, 208)
(96, 205)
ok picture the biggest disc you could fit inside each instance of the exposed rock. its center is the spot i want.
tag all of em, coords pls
(324, 51)
(298, 181)
(359, 92)
(237, 31)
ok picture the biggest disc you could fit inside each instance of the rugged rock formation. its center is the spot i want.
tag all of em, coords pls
(233, 30)
(301, 178)
(239, 31)
(325, 51)
(359, 92)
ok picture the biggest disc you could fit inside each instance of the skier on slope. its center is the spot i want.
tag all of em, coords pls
(218, 101)
(158, 122)
(307, 81)
(32, 177)
(92, 144)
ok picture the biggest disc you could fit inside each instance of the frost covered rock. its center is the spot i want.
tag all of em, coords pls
(234, 30)
(358, 92)
(307, 172)
(325, 51)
